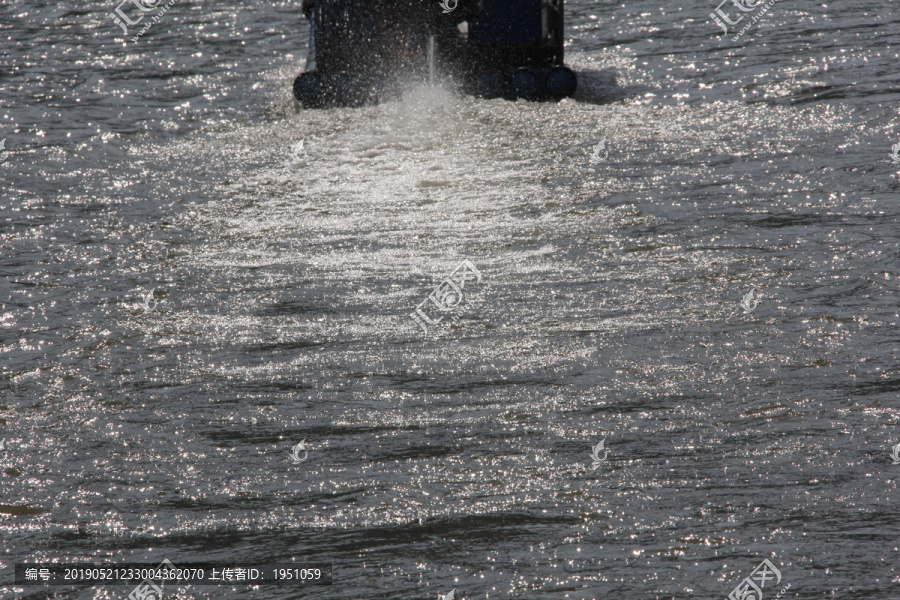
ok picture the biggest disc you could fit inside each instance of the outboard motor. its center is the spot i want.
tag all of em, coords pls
(362, 51)
(515, 50)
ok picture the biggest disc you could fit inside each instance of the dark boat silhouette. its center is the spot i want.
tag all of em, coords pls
(365, 51)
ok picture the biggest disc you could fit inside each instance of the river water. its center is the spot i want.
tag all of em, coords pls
(187, 292)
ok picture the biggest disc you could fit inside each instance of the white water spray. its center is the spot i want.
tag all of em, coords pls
(431, 60)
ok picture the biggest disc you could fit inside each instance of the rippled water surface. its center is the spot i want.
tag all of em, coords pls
(186, 294)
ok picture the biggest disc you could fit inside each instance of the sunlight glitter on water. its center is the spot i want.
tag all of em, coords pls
(283, 275)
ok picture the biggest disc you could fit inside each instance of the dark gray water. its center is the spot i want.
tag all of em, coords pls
(609, 309)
